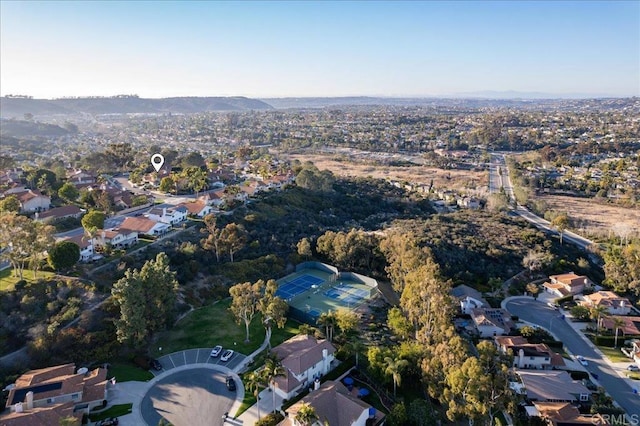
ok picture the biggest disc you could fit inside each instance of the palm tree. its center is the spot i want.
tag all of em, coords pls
(394, 368)
(254, 381)
(617, 324)
(355, 347)
(328, 320)
(596, 313)
(273, 368)
(306, 415)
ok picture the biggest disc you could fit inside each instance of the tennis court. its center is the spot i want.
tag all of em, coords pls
(297, 286)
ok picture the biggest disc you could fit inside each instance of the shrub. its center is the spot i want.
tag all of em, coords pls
(271, 419)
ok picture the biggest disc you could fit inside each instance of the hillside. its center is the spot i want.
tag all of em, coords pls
(17, 107)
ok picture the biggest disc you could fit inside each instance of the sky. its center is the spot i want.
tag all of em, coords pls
(304, 48)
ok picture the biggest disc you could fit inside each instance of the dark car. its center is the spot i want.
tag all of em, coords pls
(155, 364)
(113, 421)
(231, 384)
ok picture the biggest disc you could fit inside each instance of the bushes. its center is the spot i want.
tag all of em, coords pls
(271, 419)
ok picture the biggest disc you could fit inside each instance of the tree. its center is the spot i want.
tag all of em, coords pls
(347, 320)
(120, 154)
(579, 312)
(596, 313)
(10, 204)
(328, 321)
(68, 192)
(533, 289)
(398, 323)
(272, 369)
(254, 381)
(192, 159)
(273, 308)
(167, 185)
(196, 179)
(63, 255)
(69, 421)
(304, 249)
(93, 221)
(306, 415)
(535, 260)
(213, 241)
(23, 241)
(147, 300)
(394, 368)
(617, 324)
(244, 302)
(233, 238)
(561, 223)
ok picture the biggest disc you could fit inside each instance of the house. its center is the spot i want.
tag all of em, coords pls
(214, 198)
(336, 406)
(198, 208)
(86, 246)
(492, 322)
(563, 414)
(145, 226)
(59, 213)
(634, 353)
(468, 202)
(118, 238)
(536, 356)
(552, 386)
(304, 359)
(566, 284)
(43, 397)
(469, 298)
(32, 201)
(171, 215)
(630, 325)
(80, 177)
(615, 304)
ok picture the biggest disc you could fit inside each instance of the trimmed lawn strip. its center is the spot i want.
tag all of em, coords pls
(125, 372)
(115, 411)
(614, 355)
(214, 325)
(8, 281)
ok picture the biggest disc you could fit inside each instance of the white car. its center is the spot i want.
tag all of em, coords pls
(216, 351)
(582, 361)
(633, 367)
(227, 355)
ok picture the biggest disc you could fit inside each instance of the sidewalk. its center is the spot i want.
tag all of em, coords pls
(265, 400)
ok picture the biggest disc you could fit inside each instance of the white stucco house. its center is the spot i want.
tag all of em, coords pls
(172, 215)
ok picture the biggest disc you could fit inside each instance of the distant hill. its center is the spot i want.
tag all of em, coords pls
(29, 129)
(16, 107)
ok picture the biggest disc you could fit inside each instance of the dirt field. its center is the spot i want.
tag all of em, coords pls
(595, 217)
(451, 179)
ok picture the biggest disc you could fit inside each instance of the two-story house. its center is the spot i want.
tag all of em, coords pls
(304, 359)
(118, 238)
(47, 395)
(198, 208)
(553, 386)
(336, 406)
(566, 284)
(86, 246)
(492, 322)
(536, 356)
(614, 304)
(59, 213)
(468, 298)
(32, 201)
(144, 226)
(172, 215)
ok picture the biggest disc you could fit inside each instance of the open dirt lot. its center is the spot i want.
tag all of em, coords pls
(594, 217)
(450, 179)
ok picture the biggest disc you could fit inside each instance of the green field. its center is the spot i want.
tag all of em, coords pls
(614, 355)
(214, 325)
(124, 372)
(8, 281)
(115, 411)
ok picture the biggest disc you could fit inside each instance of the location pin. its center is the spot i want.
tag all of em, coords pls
(157, 160)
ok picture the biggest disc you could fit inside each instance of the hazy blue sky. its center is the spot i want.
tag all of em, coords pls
(296, 48)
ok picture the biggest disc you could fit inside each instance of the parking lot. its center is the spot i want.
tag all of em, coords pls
(196, 356)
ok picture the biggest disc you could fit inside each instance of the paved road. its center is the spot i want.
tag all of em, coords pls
(538, 313)
(195, 397)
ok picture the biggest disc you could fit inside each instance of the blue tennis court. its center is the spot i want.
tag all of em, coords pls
(297, 286)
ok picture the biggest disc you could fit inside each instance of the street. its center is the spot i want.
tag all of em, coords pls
(540, 314)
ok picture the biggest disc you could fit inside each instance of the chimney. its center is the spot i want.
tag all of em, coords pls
(29, 400)
(520, 358)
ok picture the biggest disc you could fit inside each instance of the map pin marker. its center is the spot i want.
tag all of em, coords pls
(157, 160)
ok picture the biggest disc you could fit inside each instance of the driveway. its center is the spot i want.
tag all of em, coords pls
(540, 314)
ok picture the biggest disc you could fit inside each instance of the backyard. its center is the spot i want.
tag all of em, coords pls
(8, 281)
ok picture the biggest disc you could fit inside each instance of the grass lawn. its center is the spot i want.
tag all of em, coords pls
(115, 411)
(614, 355)
(125, 372)
(8, 281)
(214, 325)
(633, 375)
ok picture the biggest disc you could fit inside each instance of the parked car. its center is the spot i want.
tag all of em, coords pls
(633, 367)
(231, 384)
(147, 363)
(582, 361)
(113, 421)
(215, 352)
(227, 355)
(155, 364)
